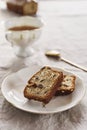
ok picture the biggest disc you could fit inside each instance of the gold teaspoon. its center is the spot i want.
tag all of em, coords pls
(56, 54)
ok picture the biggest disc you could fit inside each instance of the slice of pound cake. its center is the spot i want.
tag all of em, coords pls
(24, 7)
(43, 85)
(67, 86)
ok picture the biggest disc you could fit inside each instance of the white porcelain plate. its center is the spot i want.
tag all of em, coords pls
(13, 86)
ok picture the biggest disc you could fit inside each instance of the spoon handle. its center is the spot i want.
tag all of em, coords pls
(74, 64)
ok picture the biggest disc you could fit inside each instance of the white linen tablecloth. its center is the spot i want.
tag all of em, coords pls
(66, 30)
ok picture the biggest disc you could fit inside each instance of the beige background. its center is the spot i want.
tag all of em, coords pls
(66, 30)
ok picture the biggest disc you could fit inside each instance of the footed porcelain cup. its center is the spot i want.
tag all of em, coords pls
(22, 32)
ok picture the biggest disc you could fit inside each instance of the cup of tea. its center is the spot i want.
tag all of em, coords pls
(22, 32)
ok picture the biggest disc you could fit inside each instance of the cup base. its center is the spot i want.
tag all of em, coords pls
(23, 53)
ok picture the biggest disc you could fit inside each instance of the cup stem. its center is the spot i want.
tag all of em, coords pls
(23, 51)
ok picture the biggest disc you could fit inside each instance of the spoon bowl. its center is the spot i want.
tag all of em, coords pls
(53, 53)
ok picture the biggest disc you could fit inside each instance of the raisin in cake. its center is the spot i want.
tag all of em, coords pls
(43, 85)
(67, 86)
